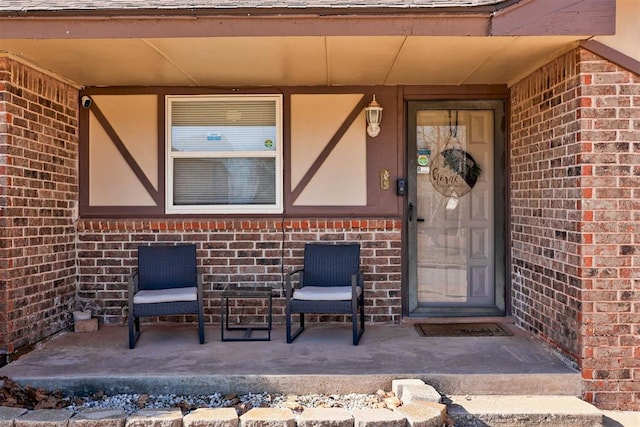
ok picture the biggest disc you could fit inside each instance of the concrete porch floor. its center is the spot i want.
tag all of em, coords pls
(169, 359)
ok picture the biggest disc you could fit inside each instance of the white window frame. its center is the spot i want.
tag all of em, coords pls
(170, 155)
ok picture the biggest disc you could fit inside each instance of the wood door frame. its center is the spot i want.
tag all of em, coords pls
(500, 209)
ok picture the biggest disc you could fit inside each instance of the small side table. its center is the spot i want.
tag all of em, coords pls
(236, 291)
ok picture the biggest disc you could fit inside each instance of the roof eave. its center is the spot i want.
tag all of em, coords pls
(522, 18)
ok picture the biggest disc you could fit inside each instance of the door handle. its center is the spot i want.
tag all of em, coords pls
(411, 214)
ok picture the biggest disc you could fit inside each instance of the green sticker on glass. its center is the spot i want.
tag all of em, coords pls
(423, 157)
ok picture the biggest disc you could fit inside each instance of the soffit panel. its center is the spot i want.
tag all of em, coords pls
(443, 60)
(261, 61)
(290, 61)
(112, 62)
(353, 60)
(518, 58)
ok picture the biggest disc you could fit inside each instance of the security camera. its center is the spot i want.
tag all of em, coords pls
(86, 102)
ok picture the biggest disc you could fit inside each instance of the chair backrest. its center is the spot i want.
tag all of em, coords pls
(330, 264)
(162, 267)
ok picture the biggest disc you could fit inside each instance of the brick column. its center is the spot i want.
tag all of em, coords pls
(38, 201)
(610, 226)
(575, 151)
(546, 204)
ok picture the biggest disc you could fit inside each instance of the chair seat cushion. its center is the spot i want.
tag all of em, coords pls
(166, 295)
(324, 293)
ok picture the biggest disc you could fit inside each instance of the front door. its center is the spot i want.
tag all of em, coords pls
(455, 208)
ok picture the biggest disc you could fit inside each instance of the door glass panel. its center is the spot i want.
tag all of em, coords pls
(454, 208)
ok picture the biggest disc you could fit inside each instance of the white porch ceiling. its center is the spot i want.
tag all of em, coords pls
(291, 60)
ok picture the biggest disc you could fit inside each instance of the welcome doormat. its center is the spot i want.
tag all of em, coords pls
(461, 330)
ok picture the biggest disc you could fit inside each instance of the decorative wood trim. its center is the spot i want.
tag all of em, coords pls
(313, 169)
(117, 211)
(555, 17)
(429, 93)
(83, 159)
(249, 25)
(611, 54)
(385, 151)
(510, 17)
(162, 152)
(124, 152)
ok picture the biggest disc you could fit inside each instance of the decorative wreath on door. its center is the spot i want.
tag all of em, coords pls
(454, 171)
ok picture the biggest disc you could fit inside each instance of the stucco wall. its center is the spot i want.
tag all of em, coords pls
(135, 120)
(38, 204)
(118, 125)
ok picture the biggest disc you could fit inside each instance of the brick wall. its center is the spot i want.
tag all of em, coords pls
(610, 106)
(545, 204)
(575, 155)
(38, 199)
(237, 251)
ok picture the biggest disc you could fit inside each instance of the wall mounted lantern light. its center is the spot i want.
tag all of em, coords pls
(373, 112)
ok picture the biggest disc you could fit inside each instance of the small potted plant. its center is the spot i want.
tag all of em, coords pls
(84, 310)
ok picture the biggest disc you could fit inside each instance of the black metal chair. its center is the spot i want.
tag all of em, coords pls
(330, 282)
(165, 283)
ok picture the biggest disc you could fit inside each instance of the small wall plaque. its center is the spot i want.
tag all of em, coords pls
(385, 179)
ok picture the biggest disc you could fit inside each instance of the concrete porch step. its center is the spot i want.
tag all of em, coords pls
(523, 411)
(515, 410)
(566, 384)
(168, 359)
(447, 384)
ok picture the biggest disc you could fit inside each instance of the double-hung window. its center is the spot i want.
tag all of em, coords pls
(224, 154)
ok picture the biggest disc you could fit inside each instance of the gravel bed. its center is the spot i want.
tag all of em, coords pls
(132, 403)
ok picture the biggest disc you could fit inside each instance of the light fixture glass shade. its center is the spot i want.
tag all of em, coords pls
(373, 113)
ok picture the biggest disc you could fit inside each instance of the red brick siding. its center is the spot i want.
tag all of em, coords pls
(38, 200)
(610, 225)
(574, 192)
(545, 204)
(237, 251)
